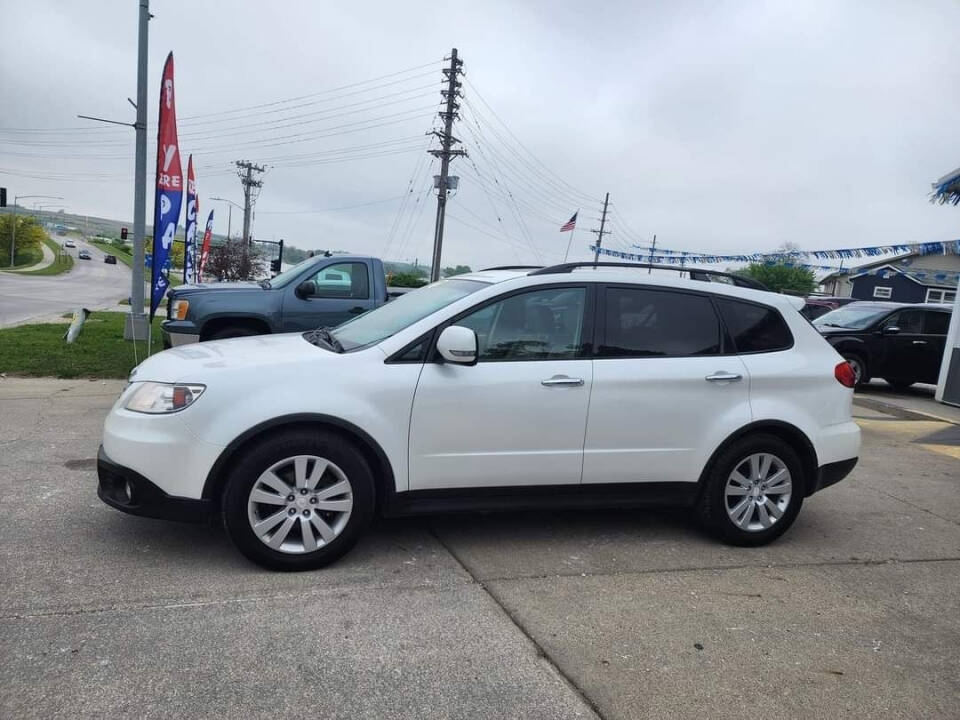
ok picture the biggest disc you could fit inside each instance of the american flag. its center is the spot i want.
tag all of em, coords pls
(570, 224)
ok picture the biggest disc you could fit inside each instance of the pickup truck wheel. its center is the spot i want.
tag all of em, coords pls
(298, 500)
(753, 491)
(233, 331)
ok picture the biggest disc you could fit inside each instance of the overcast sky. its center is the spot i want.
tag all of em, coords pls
(719, 126)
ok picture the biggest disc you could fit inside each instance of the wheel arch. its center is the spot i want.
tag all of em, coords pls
(790, 434)
(372, 451)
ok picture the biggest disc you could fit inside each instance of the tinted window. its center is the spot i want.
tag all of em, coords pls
(754, 328)
(537, 325)
(343, 280)
(910, 322)
(936, 323)
(653, 323)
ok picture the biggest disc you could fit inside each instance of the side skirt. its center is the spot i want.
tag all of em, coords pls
(541, 497)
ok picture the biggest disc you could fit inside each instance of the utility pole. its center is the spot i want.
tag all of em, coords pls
(447, 140)
(136, 322)
(245, 171)
(653, 248)
(601, 232)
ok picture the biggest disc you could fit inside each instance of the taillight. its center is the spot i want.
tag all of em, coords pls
(845, 374)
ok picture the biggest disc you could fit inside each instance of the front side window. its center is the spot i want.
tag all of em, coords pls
(654, 323)
(910, 322)
(754, 328)
(537, 325)
(343, 280)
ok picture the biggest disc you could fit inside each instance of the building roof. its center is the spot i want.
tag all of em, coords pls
(929, 277)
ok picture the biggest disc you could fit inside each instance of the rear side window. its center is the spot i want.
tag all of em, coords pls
(754, 328)
(936, 323)
(653, 323)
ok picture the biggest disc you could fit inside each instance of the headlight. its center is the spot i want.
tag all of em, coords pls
(158, 398)
(179, 309)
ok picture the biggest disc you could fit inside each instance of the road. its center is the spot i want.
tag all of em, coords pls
(618, 614)
(90, 284)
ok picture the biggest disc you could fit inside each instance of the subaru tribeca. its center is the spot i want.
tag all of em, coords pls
(561, 386)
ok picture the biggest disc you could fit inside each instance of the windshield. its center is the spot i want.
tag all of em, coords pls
(404, 311)
(290, 274)
(857, 318)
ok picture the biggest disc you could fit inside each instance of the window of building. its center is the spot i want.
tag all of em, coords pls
(884, 293)
(754, 328)
(941, 296)
(653, 323)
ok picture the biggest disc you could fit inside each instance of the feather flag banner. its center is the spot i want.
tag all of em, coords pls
(205, 249)
(190, 234)
(169, 192)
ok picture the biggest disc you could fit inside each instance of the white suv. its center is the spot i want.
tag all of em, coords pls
(564, 386)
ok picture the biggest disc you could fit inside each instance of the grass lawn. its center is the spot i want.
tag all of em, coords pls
(100, 351)
(62, 264)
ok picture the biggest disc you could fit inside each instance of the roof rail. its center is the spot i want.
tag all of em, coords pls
(512, 267)
(695, 273)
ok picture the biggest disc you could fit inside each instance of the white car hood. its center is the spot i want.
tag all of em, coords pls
(198, 361)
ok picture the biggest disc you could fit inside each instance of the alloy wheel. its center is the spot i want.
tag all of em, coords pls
(300, 504)
(757, 493)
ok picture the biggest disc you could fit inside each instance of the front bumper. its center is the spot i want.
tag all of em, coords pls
(126, 490)
(179, 332)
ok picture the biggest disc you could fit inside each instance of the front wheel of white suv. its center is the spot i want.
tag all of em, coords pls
(754, 490)
(298, 499)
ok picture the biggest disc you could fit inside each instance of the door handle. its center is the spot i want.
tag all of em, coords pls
(561, 380)
(919, 342)
(356, 310)
(721, 376)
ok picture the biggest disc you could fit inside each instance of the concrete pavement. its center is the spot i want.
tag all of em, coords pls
(623, 614)
(91, 283)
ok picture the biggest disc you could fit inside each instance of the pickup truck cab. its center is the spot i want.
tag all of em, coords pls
(320, 291)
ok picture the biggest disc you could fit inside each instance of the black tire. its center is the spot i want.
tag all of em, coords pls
(860, 367)
(899, 384)
(233, 331)
(273, 449)
(712, 507)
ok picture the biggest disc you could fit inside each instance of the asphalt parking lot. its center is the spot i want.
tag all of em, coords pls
(624, 614)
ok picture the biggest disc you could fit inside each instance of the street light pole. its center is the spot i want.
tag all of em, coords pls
(13, 237)
(229, 211)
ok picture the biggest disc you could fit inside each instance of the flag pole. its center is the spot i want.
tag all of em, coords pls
(569, 242)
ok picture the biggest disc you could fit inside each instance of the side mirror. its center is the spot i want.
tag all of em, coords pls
(307, 288)
(891, 330)
(458, 344)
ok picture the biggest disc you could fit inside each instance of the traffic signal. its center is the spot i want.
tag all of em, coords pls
(275, 266)
(3, 197)
(123, 233)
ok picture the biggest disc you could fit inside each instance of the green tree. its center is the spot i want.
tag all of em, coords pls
(458, 270)
(29, 238)
(408, 280)
(781, 277)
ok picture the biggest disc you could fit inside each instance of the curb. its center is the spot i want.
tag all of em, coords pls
(897, 411)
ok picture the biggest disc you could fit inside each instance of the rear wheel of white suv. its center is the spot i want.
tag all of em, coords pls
(298, 500)
(754, 490)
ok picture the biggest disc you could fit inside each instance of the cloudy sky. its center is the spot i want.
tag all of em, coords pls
(719, 126)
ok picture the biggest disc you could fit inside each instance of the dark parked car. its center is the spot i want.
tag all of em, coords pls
(816, 306)
(110, 259)
(901, 343)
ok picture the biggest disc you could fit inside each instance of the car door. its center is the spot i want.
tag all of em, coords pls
(517, 417)
(907, 353)
(664, 394)
(343, 291)
(935, 326)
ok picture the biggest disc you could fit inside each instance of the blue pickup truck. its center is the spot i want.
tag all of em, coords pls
(320, 291)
